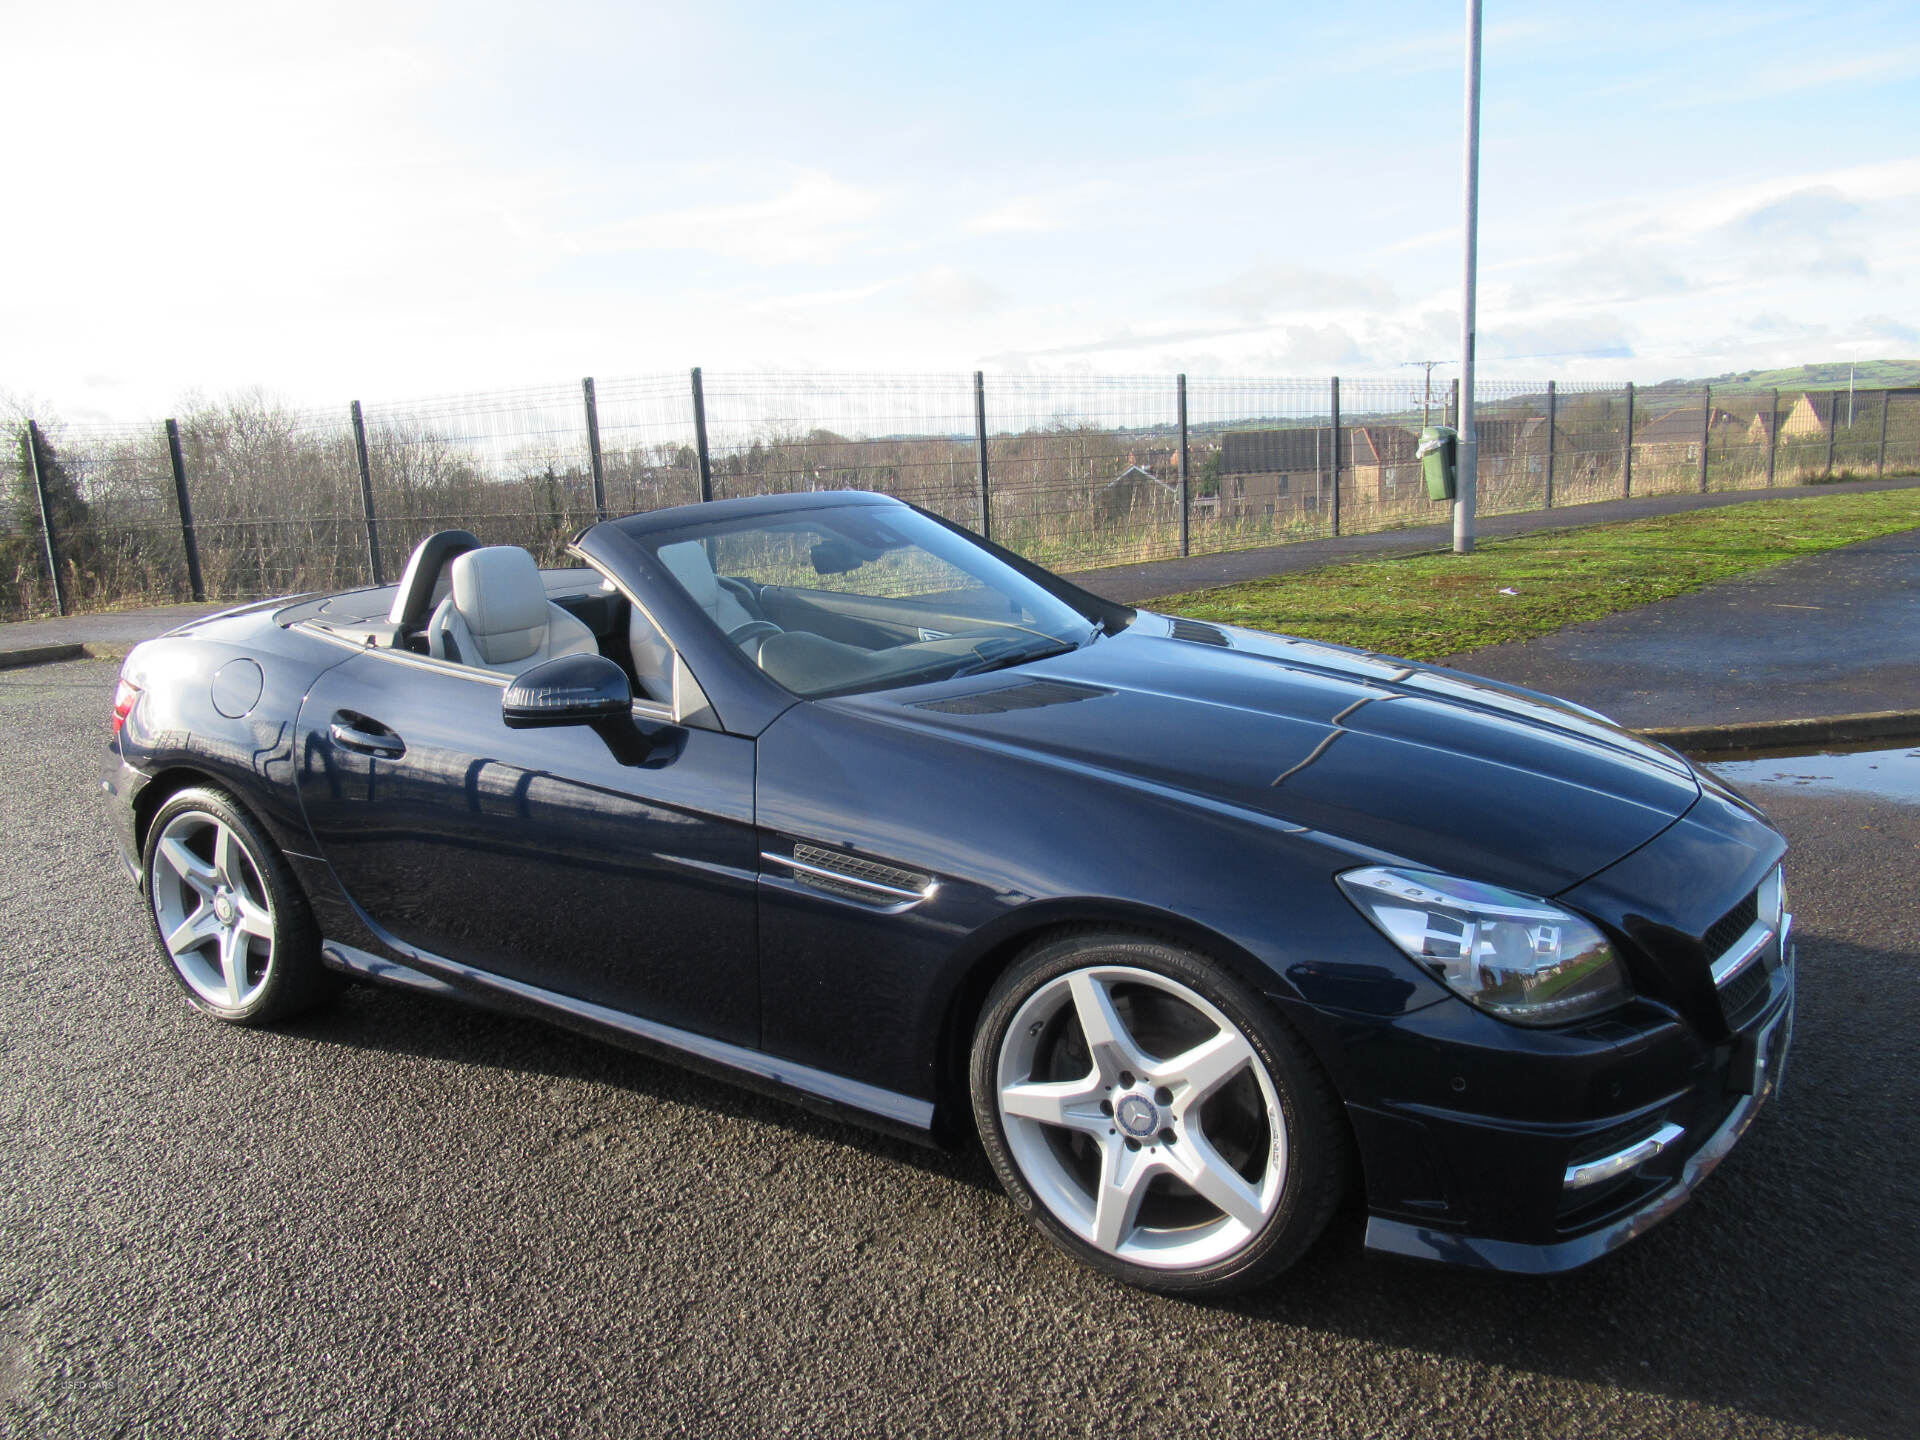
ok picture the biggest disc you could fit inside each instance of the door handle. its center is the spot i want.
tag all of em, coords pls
(347, 733)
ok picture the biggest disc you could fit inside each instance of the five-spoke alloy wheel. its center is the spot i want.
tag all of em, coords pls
(227, 912)
(1155, 1117)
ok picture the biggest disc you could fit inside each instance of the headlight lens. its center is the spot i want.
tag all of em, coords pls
(1514, 955)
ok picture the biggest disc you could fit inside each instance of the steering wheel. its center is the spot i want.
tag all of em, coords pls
(740, 634)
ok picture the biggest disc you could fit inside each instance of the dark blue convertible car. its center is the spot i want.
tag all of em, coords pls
(1195, 928)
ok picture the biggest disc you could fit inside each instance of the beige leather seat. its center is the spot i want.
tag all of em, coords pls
(690, 566)
(498, 616)
(652, 655)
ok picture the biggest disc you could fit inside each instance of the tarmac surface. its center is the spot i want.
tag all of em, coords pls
(402, 1218)
(1831, 634)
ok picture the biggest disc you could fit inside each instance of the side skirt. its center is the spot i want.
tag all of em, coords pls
(817, 1090)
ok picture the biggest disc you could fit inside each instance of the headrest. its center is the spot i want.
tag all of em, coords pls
(498, 590)
(687, 559)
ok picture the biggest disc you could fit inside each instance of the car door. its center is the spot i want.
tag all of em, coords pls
(536, 854)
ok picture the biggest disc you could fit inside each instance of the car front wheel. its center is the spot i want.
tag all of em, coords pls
(1155, 1117)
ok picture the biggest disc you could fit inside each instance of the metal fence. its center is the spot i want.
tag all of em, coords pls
(248, 498)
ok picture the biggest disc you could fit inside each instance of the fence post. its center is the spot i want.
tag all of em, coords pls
(1886, 403)
(1336, 455)
(366, 496)
(1626, 457)
(1453, 403)
(1833, 427)
(188, 540)
(1706, 431)
(46, 518)
(700, 435)
(1773, 436)
(980, 447)
(593, 451)
(1553, 400)
(1186, 539)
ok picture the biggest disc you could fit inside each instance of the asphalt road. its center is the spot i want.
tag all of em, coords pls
(1830, 634)
(403, 1218)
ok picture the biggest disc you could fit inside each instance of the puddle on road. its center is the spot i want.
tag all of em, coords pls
(1883, 774)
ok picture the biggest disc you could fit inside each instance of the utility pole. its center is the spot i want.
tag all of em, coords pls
(1469, 443)
(1426, 403)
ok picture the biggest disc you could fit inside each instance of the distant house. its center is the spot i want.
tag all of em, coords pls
(1135, 491)
(1760, 432)
(1264, 469)
(1383, 456)
(1675, 436)
(1812, 414)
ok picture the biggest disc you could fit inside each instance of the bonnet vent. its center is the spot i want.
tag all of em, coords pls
(1199, 634)
(1033, 695)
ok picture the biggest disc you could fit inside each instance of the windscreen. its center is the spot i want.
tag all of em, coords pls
(864, 597)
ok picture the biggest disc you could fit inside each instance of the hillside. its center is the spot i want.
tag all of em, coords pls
(1828, 375)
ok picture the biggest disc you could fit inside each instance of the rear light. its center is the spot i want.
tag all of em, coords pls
(123, 701)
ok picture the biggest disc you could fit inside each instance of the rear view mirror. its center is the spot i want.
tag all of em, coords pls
(836, 557)
(572, 690)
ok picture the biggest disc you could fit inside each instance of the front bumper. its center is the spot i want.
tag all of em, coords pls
(1541, 1198)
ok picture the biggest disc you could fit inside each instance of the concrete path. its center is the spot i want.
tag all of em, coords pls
(1140, 584)
(110, 627)
(1836, 633)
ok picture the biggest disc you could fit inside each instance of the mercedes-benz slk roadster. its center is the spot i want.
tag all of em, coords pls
(1196, 929)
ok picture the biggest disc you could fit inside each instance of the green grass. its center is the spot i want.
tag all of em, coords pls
(1431, 605)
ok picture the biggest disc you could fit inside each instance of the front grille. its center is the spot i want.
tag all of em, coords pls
(1728, 929)
(1744, 996)
(1200, 634)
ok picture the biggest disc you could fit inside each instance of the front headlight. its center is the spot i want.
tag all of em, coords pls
(1515, 956)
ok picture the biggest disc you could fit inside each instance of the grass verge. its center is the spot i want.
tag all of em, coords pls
(1424, 607)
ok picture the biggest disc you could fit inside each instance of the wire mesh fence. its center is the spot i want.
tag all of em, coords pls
(1075, 472)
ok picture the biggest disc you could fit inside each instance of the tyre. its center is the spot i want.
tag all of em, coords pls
(1157, 1119)
(228, 914)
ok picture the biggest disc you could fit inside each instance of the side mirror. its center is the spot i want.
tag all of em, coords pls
(572, 690)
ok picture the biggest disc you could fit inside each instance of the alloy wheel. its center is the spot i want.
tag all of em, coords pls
(1142, 1117)
(211, 904)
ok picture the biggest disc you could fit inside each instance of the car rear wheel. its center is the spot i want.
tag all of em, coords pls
(228, 914)
(1155, 1117)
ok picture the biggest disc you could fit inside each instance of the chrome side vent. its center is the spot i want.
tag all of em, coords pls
(1198, 633)
(849, 877)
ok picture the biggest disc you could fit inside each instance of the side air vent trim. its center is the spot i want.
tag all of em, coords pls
(849, 877)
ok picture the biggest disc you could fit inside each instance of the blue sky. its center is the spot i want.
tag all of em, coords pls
(401, 199)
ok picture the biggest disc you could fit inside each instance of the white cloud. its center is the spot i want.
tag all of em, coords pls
(813, 220)
(945, 291)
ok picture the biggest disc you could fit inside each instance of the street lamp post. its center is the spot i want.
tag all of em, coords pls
(1469, 444)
